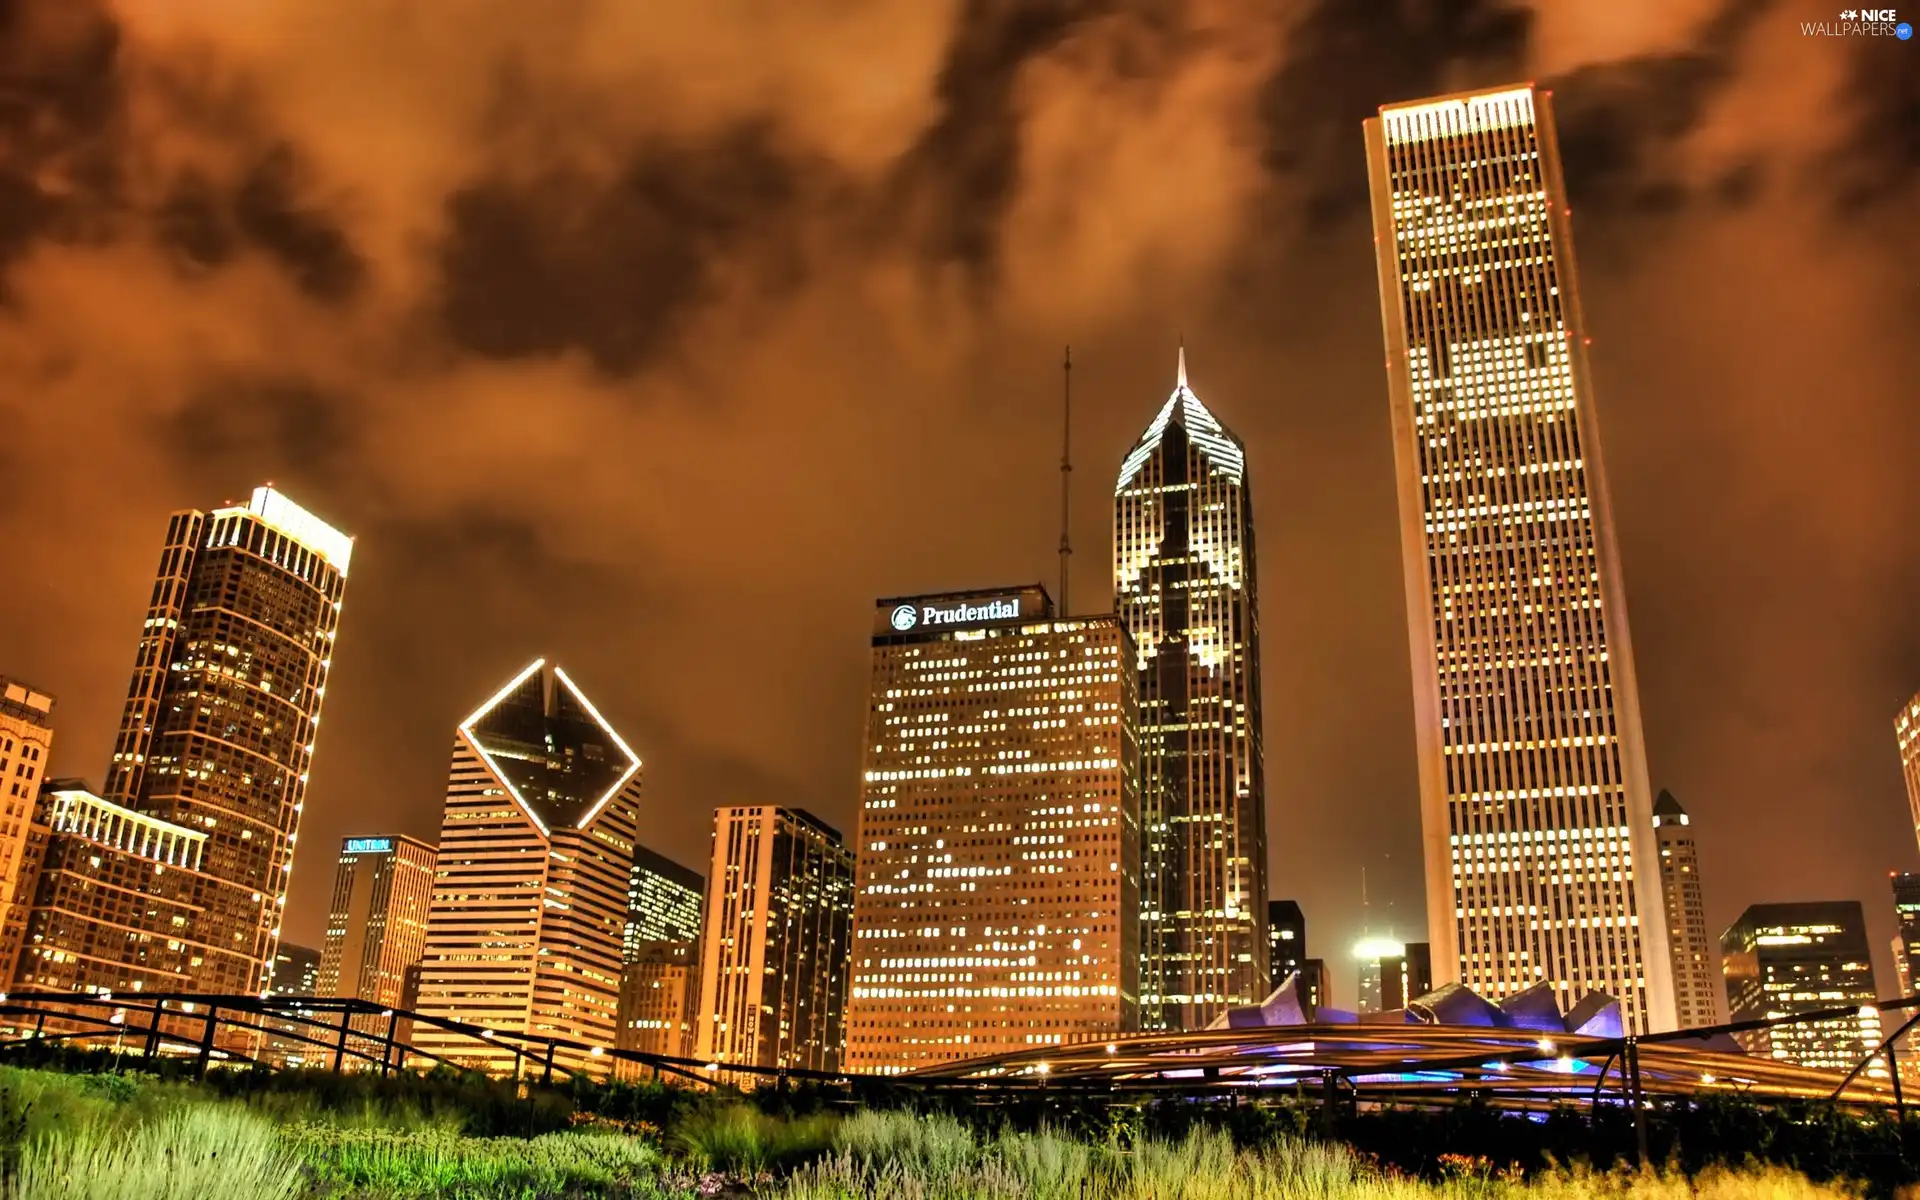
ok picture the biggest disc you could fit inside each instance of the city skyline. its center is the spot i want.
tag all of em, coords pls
(1733, 562)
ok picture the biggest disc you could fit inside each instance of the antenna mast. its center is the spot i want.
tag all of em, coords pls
(1066, 473)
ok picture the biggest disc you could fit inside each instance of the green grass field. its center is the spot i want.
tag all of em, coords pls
(132, 1137)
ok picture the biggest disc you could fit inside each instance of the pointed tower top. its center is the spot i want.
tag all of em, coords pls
(1667, 810)
(1182, 381)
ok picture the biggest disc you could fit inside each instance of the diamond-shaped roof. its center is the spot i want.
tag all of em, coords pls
(1216, 442)
(552, 749)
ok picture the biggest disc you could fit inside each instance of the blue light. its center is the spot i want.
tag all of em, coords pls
(369, 846)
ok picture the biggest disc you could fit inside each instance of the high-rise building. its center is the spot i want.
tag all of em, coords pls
(106, 914)
(1696, 982)
(1782, 959)
(773, 951)
(1540, 858)
(222, 717)
(996, 903)
(296, 971)
(377, 922)
(1906, 731)
(1184, 586)
(1906, 943)
(529, 906)
(1316, 982)
(659, 995)
(663, 901)
(1286, 939)
(1392, 973)
(26, 739)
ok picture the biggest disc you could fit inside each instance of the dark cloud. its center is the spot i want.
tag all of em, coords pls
(962, 175)
(610, 266)
(279, 427)
(269, 210)
(60, 108)
(1345, 60)
(1878, 162)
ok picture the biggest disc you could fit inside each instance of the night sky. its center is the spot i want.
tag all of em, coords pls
(662, 339)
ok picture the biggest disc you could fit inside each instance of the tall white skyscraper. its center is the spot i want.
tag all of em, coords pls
(1538, 822)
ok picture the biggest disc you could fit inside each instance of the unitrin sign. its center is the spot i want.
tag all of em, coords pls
(369, 845)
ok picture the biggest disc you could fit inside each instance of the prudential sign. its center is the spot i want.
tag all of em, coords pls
(907, 617)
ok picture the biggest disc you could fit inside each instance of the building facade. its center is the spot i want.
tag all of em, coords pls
(529, 908)
(223, 714)
(1696, 976)
(659, 995)
(663, 901)
(774, 947)
(1392, 974)
(296, 971)
(1286, 939)
(1536, 814)
(112, 906)
(1184, 583)
(377, 921)
(1906, 943)
(1782, 959)
(1906, 732)
(26, 740)
(996, 901)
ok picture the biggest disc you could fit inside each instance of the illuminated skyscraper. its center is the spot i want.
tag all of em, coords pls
(1184, 586)
(1782, 959)
(1392, 973)
(26, 738)
(1540, 858)
(1696, 977)
(217, 737)
(997, 897)
(663, 901)
(530, 888)
(296, 971)
(659, 995)
(377, 923)
(1906, 729)
(773, 954)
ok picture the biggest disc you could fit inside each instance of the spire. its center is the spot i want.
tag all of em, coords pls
(1181, 382)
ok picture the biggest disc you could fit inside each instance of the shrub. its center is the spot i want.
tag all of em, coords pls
(441, 1163)
(741, 1141)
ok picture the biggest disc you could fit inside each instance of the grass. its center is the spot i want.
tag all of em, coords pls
(122, 1137)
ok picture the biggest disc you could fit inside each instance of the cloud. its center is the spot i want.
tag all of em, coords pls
(664, 340)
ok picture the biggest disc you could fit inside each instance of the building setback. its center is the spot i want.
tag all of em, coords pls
(529, 906)
(1184, 582)
(26, 740)
(377, 921)
(773, 953)
(996, 902)
(659, 995)
(1782, 959)
(1696, 976)
(663, 901)
(1540, 858)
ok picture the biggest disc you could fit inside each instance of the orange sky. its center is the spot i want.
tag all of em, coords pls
(662, 339)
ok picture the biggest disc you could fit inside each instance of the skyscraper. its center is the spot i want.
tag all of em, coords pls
(1286, 939)
(529, 905)
(1184, 586)
(296, 971)
(996, 901)
(1392, 973)
(222, 716)
(1540, 858)
(112, 906)
(659, 995)
(1906, 732)
(1696, 978)
(773, 954)
(377, 922)
(26, 739)
(1906, 943)
(1782, 959)
(663, 901)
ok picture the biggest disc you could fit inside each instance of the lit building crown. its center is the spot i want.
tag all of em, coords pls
(1222, 449)
(274, 509)
(552, 749)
